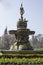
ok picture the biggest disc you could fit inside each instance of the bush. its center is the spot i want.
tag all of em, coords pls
(21, 58)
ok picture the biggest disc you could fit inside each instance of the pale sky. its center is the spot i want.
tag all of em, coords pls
(9, 14)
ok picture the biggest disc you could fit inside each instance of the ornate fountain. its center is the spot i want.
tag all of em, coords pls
(22, 34)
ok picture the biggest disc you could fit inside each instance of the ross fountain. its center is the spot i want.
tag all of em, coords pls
(22, 34)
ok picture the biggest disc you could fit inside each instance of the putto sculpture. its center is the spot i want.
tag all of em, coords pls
(22, 34)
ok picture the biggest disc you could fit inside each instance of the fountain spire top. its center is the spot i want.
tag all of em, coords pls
(21, 11)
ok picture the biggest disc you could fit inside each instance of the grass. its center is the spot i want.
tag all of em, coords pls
(39, 49)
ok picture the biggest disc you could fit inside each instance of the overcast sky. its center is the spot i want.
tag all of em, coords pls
(9, 14)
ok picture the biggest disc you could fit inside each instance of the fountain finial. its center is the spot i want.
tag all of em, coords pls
(21, 11)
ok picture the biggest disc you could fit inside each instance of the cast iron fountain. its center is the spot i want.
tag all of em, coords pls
(22, 34)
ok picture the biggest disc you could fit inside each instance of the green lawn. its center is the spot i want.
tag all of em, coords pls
(39, 49)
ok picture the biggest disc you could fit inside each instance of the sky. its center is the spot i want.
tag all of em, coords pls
(10, 14)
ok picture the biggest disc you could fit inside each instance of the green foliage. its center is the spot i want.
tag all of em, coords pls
(21, 55)
(21, 58)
